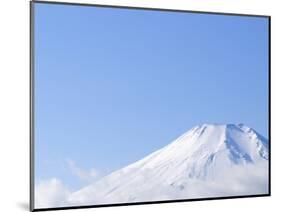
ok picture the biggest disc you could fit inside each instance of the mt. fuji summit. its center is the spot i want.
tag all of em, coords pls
(207, 161)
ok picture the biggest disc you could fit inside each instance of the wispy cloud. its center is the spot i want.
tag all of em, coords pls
(84, 175)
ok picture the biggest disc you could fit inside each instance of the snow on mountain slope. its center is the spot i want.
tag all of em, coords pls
(207, 161)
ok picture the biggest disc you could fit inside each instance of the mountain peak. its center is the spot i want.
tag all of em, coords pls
(206, 153)
(218, 125)
(240, 144)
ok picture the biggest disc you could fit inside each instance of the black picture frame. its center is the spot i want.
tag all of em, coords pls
(31, 106)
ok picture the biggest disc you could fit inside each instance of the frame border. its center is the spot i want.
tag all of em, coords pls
(31, 108)
(32, 91)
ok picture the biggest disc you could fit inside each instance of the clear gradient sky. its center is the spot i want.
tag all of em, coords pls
(113, 85)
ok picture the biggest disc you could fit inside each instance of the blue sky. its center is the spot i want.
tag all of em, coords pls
(113, 85)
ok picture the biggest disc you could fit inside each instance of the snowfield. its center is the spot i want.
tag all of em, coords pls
(207, 161)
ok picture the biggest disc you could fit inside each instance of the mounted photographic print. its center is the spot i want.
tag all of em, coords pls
(136, 105)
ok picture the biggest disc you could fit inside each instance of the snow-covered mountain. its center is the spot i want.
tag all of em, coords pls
(207, 161)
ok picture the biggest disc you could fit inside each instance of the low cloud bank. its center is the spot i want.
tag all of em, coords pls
(245, 180)
(51, 193)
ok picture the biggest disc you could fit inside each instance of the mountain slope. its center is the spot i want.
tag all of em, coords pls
(207, 161)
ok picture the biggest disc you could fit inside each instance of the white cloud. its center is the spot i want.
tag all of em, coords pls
(235, 181)
(246, 180)
(54, 193)
(84, 175)
(51, 193)
(241, 181)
